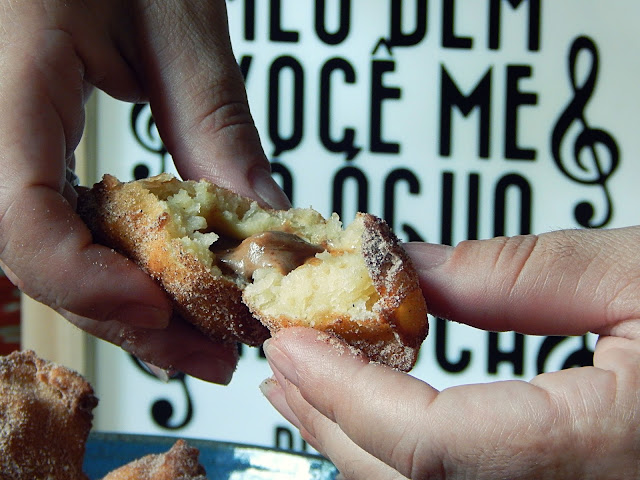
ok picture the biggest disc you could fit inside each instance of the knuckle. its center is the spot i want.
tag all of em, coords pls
(222, 116)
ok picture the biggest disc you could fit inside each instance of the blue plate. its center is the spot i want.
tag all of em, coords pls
(108, 451)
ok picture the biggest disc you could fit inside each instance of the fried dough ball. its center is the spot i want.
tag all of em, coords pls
(45, 419)
(179, 463)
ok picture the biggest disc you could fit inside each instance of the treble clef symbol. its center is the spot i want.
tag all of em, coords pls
(591, 146)
(143, 127)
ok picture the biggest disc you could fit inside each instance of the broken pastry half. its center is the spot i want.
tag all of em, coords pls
(238, 271)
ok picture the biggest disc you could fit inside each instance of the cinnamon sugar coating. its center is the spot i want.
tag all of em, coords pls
(45, 419)
(133, 219)
(360, 286)
(179, 463)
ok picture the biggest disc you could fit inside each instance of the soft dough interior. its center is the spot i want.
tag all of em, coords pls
(333, 283)
(318, 292)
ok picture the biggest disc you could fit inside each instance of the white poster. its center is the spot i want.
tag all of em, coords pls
(452, 120)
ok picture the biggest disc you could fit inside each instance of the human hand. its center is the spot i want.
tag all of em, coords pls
(377, 423)
(174, 53)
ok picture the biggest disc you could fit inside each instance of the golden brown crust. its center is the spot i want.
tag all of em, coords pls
(179, 463)
(389, 329)
(401, 304)
(396, 281)
(128, 218)
(400, 326)
(45, 419)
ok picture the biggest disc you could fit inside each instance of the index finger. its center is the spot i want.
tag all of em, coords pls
(198, 98)
(560, 283)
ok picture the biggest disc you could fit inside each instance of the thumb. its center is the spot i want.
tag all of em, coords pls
(198, 98)
(567, 282)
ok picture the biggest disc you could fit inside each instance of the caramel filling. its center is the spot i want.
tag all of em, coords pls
(280, 250)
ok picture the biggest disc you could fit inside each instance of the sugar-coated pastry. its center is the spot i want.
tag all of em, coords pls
(179, 463)
(45, 419)
(238, 271)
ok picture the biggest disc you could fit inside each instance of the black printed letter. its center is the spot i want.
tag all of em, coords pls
(398, 36)
(498, 356)
(516, 98)
(449, 38)
(380, 93)
(344, 22)
(276, 33)
(441, 350)
(534, 23)
(347, 143)
(480, 97)
(280, 142)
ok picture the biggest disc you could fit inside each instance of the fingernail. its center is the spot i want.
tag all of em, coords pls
(143, 316)
(268, 386)
(428, 255)
(267, 189)
(216, 363)
(213, 370)
(274, 393)
(13, 278)
(160, 373)
(279, 361)
(72, 178)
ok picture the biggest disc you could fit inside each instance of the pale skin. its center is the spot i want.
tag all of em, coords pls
(377, 423)
(373, 422)
(175, 54)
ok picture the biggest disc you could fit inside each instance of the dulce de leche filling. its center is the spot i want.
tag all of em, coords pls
(281, 250)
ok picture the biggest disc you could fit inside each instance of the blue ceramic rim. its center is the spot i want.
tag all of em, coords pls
(106, 451)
